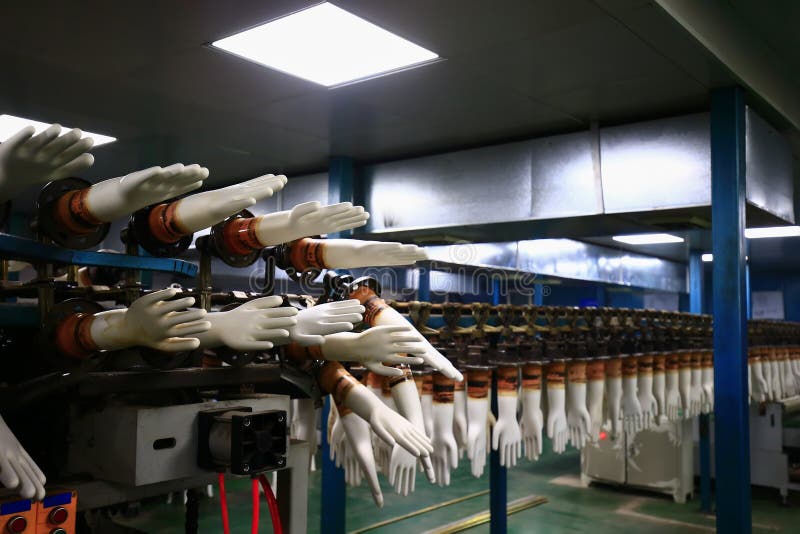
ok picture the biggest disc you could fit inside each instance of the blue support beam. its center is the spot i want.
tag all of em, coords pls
(696, 288)
(538, 295)
(498, 479)
(340, 189)
(332, 511)
(20, 248)
(424, 289)
(731, 424)
(341, 185)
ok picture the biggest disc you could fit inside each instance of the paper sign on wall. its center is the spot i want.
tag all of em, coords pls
(767, 304)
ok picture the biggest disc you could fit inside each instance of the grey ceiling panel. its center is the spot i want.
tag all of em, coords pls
(656, 164)
(770, 180)
(473, 186)
(563, 177)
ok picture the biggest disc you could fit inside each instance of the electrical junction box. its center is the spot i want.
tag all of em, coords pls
(141, 445)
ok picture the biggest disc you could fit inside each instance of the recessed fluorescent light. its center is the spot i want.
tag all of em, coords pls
(327, 45)
(707, 257)
(647, 239)
(10, 124)
(776, 231)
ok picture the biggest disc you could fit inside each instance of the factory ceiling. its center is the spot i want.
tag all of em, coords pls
(518, 68)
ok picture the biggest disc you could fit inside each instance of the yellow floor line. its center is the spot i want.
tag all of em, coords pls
(483, 517)
(419, 512)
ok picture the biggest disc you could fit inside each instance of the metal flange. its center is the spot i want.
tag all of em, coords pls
(47, 224)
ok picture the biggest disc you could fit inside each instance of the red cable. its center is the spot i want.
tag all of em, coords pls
(277, 527)
(256, 502)
(223, 501)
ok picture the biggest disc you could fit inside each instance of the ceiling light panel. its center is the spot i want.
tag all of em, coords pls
(10, 125)
(326, 45)
(647, 239)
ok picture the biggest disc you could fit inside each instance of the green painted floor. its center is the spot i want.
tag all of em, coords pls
(596, 510)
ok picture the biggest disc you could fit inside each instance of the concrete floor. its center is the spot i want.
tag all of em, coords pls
(596, 510)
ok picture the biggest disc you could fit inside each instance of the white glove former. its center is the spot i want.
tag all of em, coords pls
(256, 325)
(168, 222)
(647, 400)
(579, 422)
(478, 381)
(506, 434)
(707, 405)
(83, 209)
(376, 346)
(314, 324)
(18, 471)
(460, 416)
(387, 424)
(424, 381)
(307, 253)
(557, 429)
(402, 473)
(631, 409)
(445, 448)
(659, 385)
(696, 393)
(151, 321)
(379, 313)
(596, 375)
(614, 394)
(244, 235)
(359, 456)
(674, 403)
(532, 421)
(685, 382)
(27, 159)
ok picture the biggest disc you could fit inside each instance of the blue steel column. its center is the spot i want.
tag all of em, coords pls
(497, 473)
(341, 185)
(538, 295)
(696, 285)
(424, 289)
(731, 425)
(332, 510)
(332, 517)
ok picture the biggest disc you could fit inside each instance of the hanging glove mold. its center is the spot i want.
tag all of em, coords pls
(674, 401)
(506, 434)
(402, 472)
(75, 214)
(579, 421)
(167, 229)
(557, 429)
(445, 448)
(532, 421)
(647, 400)
(239, 240)
(27, 159)
(380, 313)
(390, 426)
(478, 381)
